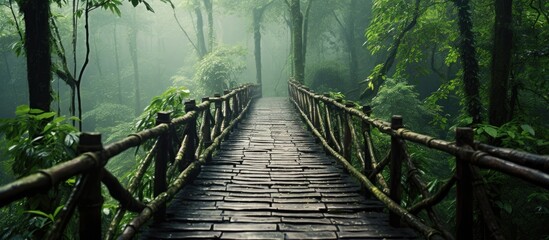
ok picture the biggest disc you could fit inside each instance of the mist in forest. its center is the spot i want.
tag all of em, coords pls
(164, 56)
(438, 64)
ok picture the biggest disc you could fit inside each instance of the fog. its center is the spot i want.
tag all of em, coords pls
(163, 53)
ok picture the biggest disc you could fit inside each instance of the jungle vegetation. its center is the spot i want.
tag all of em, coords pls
(68, 66)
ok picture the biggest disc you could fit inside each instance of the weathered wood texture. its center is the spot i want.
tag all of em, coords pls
(271, 180)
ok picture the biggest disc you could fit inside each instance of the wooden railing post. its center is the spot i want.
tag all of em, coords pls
(302, 101)
(205, 130)
(236, 104)
(227, 111)
(307, 103)
(339, 113)
(218, 116)
(206, 125)
(160, 165)
(464, 187)
(347, 119)
(330, 136)
(91, 201)
(367, 110)
(396, 169)
(190, 151)
(316, 113)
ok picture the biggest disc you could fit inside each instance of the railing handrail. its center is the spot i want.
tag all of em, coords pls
(535, 168)
(339, 139)
(45, 179)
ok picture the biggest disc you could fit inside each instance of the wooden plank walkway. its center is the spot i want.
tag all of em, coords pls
(272, 181)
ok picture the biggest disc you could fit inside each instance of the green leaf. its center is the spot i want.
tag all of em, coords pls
(71, 181)
(58, 120)
(528, 129)
(57, 210)
(45, 115)
(467, 120)
(149, 8)
(40, 213)
(505, 206)
(491, 131)
(22, 109)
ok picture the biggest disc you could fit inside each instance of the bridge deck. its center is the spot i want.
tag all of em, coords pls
(272, 181)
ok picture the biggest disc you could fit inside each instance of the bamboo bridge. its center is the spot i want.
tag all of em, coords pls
(238, 166)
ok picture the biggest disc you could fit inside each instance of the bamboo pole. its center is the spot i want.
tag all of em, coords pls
(90, 203)
(329, 128)
(346, 120)
(134, 183)
(217, 117)
(488, 215)
(369, 157)
(464, 195)
(359, 151)
(160, 165)
(534, 161)
(227, 113)
(190, 149)
(396, 169)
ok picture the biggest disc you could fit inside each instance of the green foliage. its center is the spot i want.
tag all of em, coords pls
(44, 219)
(515, 135)
(447, 89)
(37, 139)
(34, 140)
(170, 101)
(328, 77)
(336, 95)
(396, 97)
(218, 70)
(108, 114)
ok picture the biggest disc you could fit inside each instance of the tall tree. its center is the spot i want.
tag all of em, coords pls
(469, 60)
(200, 40)
(501, 60)
(209, 12)
(135, 64)
(257, 16)
(37, 48)
(348, 33)
(297, 40)
(117, 64)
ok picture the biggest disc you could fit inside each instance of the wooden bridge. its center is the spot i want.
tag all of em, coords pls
(271, 180)
(240, 167)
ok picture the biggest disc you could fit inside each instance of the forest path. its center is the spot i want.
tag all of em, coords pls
(271, 180)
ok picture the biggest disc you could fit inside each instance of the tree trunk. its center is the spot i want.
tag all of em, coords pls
(202, 51)
(117, 62)
(297, 40)
(257, 13)
(37, 47)
(133, 52)
(501, 61)
(96, 56)
(209, 11)
(351, 41)
(306, 30)
(469, 60)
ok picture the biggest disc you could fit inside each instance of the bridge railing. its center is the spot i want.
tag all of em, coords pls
(345, 132)
(201, 130)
